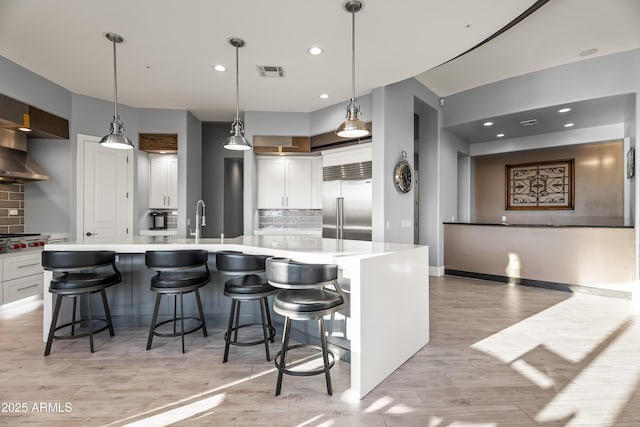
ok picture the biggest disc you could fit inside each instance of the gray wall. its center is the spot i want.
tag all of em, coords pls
(191, 183)
(394, 108)
(153, 120)
(213, 155)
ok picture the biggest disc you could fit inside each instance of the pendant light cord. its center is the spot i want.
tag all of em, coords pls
(353, 53)
(237, 87)
(115, 82)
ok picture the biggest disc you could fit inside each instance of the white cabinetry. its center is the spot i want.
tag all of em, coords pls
(21, 276)
(289, 183)
(163, 181)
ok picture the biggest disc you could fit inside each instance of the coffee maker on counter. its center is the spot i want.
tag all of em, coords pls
(158, 220)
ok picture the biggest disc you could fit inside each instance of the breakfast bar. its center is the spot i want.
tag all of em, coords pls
(388, 287)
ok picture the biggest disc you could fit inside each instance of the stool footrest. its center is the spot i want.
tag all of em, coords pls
(304, 373)
(271, 337)
(178, 333)
(83, 334)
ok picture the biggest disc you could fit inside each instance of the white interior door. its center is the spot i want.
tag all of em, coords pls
(105, 208)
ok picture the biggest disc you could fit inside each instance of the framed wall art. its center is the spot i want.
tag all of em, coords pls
(540, 186)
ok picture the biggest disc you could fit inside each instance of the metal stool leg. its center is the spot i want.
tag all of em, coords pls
(235, 331)
(325, 355)
(227, 336)
(204, 324)
(73, 315)
(264, 328)
(107, 313)
(90, 322)
(154, 319)
(272, 330)
(283, 353)
(175, 312)
(54, 321)
(182, 319)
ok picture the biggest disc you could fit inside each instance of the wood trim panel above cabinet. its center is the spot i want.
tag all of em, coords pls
(280, 144)
(165, 143)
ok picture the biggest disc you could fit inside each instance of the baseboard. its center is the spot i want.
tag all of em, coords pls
(436, 270)
(542, 284)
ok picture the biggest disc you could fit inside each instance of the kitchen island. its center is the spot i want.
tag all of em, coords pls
(388, 286)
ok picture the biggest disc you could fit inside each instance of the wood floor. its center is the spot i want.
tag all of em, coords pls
(500, 355)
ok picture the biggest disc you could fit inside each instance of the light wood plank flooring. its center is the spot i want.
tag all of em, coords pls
(500, 355)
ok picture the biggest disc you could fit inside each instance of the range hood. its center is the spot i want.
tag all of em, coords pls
(15, 118)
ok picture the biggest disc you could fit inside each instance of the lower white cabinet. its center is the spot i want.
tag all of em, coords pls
(21, 276)
(289, 182)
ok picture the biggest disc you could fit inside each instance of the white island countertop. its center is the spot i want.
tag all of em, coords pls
(250, 243)
(389, 290)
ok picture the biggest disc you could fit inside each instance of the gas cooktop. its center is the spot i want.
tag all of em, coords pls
(18, 242)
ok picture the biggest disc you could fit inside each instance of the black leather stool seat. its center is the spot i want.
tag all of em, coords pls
(78, 281)
(309, 291)
(306, 300)
(180, 279)
(78, 273)
(177, 273)
(249, 285)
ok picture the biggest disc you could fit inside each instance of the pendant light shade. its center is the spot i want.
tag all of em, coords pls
(353, 127)
(116, 137)
(237, 141)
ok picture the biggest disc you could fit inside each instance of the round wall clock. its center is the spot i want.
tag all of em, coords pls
(403, 174)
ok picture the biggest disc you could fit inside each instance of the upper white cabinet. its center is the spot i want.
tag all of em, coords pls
(289, 183)
(163, 181)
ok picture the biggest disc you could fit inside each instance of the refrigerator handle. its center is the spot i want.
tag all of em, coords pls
(340, 217)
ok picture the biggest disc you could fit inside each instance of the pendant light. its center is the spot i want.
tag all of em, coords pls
(353, 127)
(116, 137)
(237, 141)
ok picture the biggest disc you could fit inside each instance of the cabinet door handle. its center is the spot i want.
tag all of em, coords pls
(28, 265)
(168, 200)
(282, 202)
(28, 287)
(286, 201)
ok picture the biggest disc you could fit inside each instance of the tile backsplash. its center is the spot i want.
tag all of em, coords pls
(303, 220)
(11, 208)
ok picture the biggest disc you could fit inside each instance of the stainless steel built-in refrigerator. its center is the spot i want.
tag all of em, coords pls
(346, 201)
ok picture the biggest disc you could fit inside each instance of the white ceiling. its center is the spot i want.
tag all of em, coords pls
(171, 46)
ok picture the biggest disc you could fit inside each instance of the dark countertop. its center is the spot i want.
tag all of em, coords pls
(542, 225)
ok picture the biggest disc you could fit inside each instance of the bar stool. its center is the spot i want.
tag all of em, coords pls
(78, 273)
(178, 272)
(306, 295)
(250, 285)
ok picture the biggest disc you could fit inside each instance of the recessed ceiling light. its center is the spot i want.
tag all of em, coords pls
(487, 124)
(221, 68)
(315, 50)
(568, 125)
(500, 135)
(564, 110)
(324, 96)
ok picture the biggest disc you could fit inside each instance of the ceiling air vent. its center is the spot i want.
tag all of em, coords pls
(529, 122)
(270, 71)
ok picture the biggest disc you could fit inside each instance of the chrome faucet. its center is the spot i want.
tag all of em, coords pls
(200, 219)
